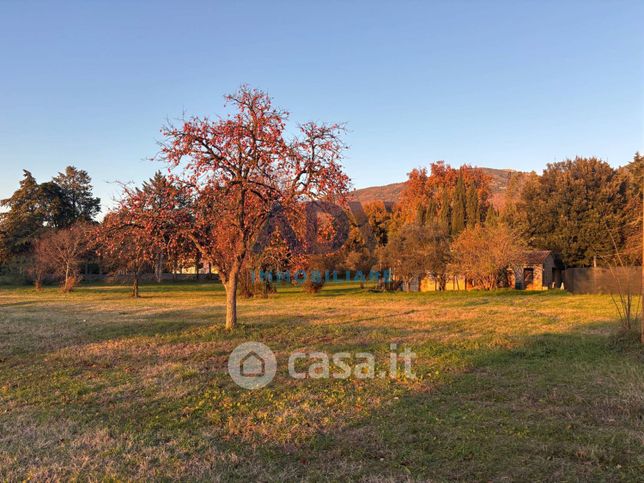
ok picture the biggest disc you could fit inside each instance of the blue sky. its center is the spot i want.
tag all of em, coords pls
(512, 84)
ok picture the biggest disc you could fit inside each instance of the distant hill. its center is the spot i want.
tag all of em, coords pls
(499, 179)
(388, 192)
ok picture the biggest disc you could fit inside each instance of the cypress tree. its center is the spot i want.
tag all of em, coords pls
(443, 213)
(421, 215)
(492, 217)
(458, 207)
(472, 212)
(431, 213)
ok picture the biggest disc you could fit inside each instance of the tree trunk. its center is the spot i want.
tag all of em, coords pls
(66, 282)
(231, 300)
(158, 269)
(135, 286)
(38, 281)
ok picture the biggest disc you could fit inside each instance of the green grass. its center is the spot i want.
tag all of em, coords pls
(510, 385)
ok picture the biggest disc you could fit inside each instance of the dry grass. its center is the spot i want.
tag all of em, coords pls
(520, 386)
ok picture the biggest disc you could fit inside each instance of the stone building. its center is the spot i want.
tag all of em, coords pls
(539, 270)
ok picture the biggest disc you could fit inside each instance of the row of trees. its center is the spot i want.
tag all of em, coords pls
(35, 208)
(581, 208)
(228, 175)
(452, 199)
(481, 255)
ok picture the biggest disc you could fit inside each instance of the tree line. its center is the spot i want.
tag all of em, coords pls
(225, 176)
(583, 209)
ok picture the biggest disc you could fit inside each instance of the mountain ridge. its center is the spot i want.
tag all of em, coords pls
(499, 181)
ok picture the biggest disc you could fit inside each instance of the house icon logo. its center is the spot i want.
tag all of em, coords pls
(252, 365)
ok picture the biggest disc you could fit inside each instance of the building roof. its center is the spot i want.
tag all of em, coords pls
(537, 257)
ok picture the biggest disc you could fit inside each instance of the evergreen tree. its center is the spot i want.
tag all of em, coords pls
(431, 215)
(633, 175)
(380, 220)
(444, 212)
(421, 214)
(24, 219)
(492, 217)
(509, 212)
(79, 202)
(54, 205)
(472, 211)
(58, 203)
(157, 189)
(575, 208)
(458, 207)
(441, 198)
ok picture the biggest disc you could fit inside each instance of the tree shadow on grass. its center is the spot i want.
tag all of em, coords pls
(550, 409)
(151, 288)
(17, 304)
(80, 328)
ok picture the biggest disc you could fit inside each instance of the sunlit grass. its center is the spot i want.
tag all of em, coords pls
(518, 385)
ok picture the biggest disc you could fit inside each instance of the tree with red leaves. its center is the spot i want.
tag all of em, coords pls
(146, 227)
(127, 249)
(238, 168)
(483, 254)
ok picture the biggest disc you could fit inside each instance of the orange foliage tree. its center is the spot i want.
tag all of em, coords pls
(237, 169)
(147, 226)
(483, 254)
(126, 249)
(446, 197)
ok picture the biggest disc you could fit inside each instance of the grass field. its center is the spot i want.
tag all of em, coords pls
(510, 386)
